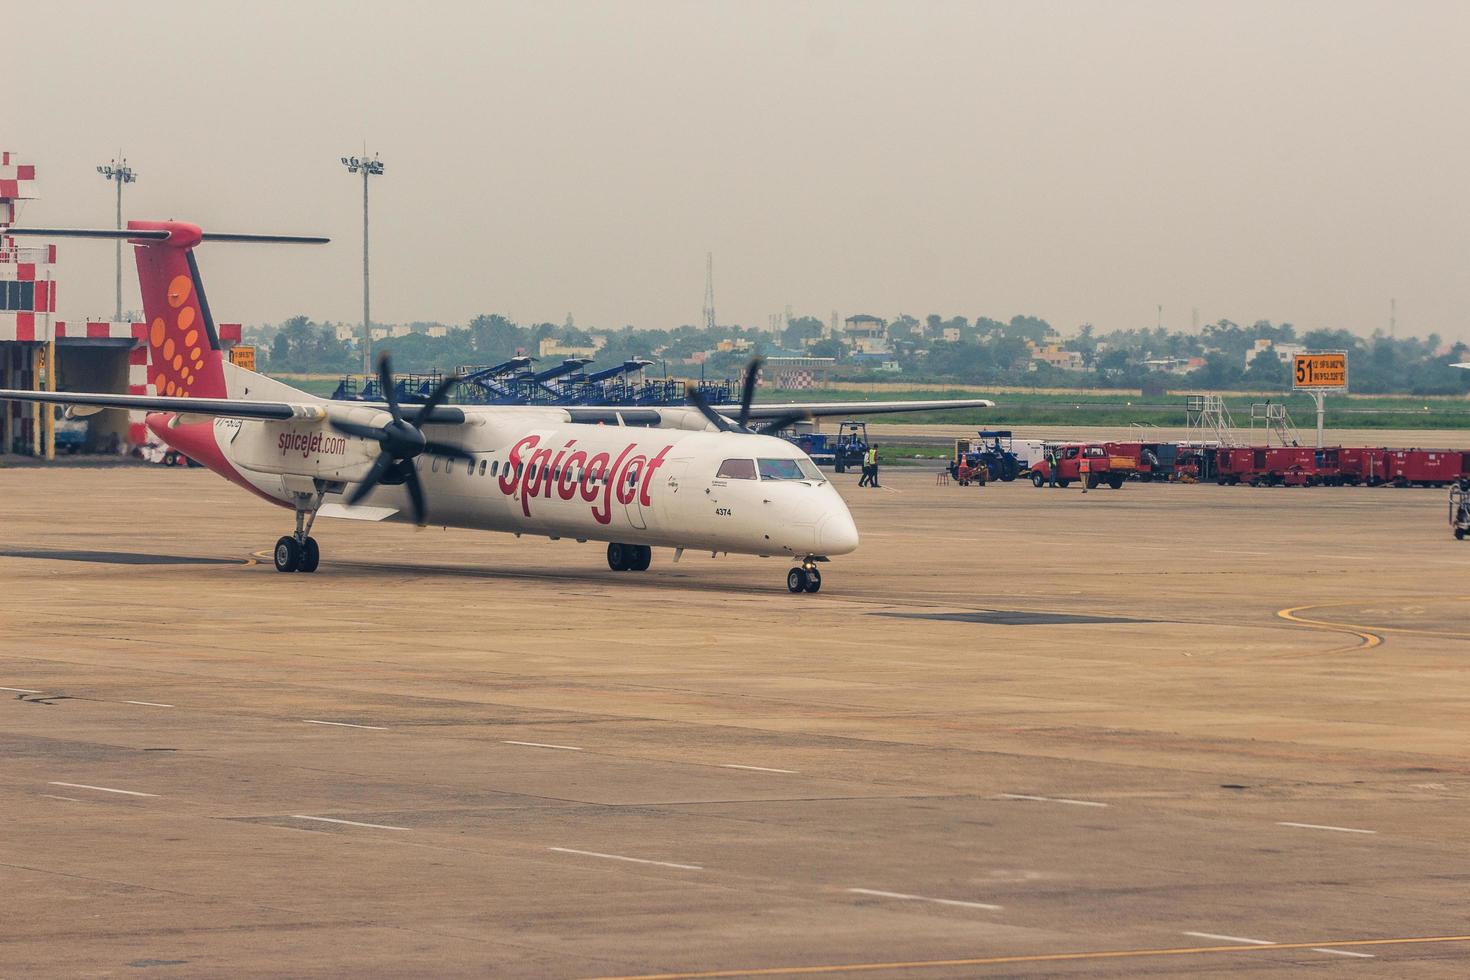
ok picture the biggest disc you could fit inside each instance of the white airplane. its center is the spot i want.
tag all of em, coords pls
(681, 478)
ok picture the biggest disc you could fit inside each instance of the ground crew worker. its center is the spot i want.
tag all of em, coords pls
(870, 466)
(1051, 467)
(1084, 470)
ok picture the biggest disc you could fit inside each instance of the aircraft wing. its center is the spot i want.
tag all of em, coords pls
(771, 410)
(228, 408)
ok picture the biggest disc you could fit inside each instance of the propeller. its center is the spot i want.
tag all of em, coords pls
(747, 395)
(400, 441)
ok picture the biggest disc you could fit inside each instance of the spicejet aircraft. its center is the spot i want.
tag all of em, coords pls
(635, 478)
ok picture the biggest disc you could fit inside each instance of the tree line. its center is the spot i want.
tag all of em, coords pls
(945, 349)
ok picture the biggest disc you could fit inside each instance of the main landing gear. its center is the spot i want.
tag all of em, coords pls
(629, 557)
(805, 578)
(299, 552)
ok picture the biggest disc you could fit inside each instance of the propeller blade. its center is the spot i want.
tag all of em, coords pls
(416, 495)
(374, 477)
(716, 419)
(445, 449)
(356, 429)
(747, 391)
(386, 386)
(437, 397)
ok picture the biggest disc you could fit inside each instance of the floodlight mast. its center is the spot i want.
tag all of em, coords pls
(367, 168)
(118, 171)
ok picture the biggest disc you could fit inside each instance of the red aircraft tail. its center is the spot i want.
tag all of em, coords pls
(184, 354)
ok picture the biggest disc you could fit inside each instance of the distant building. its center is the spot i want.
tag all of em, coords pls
(866, 334)
(1282, 352)
(1052, 354)
(736, 345)
(876, 361)
(551, 347)
(796, 371)
(951, 335)
(1175, 365)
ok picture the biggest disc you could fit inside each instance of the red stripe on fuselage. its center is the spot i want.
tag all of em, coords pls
(197, 441)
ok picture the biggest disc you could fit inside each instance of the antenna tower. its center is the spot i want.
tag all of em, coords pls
(709, 290)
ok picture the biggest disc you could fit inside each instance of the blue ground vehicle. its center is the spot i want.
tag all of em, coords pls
(850, 446)
(997, 454)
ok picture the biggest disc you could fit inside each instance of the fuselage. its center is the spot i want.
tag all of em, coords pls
(534, 474)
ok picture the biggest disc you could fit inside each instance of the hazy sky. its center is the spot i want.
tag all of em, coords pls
(1078, 161)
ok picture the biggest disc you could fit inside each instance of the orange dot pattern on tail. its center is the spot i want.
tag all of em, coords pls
(178, 357)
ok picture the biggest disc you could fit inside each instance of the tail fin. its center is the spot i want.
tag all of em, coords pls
(184, 354)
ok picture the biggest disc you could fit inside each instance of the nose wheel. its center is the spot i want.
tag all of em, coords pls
(804, 579)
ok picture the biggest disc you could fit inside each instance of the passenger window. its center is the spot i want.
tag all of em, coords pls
(482, 467)
(736, 469)
(494, 465)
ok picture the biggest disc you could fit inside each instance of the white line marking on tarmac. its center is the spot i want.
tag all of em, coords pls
(1323, 826)
(620, 857)
(350, 823)
(53, 796)
(19, 690)
(542, 745)
(1230, 939)
(1341, 952)
(149, 704)
(102, 789)
(924, 898)
(1049, 799)
(343, 724)
(731, 765)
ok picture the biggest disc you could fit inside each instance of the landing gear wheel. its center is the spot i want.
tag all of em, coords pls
(642, 557)
(813, 580)
(619, 557)
(288, 555)
(796, 580)
(311, 557)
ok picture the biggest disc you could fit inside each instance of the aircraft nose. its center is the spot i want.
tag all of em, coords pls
(837, 534)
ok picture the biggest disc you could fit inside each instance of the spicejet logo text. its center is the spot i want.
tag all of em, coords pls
(311, 442)
(537, 472)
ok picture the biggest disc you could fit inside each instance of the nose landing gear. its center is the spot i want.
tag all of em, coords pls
(805, 578)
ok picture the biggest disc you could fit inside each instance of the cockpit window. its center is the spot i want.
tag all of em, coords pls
(789, 469)
(737, 469)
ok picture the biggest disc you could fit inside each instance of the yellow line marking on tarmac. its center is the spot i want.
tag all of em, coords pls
(1104, 954)
(1368, 635)
(1366, 640)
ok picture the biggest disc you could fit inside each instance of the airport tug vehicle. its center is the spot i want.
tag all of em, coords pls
(701, 476)
(1460, 508)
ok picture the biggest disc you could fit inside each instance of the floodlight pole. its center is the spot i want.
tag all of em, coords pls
(120, 173)
(368, 168)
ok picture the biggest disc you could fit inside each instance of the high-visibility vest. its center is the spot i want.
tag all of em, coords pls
(871, 457)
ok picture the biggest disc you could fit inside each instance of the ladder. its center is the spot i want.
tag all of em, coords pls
(1275, 420)
(1209, 421)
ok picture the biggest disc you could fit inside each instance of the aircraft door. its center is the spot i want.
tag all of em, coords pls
(634, 507)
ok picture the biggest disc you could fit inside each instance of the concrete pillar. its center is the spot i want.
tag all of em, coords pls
(37, 415)
(49, 413)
